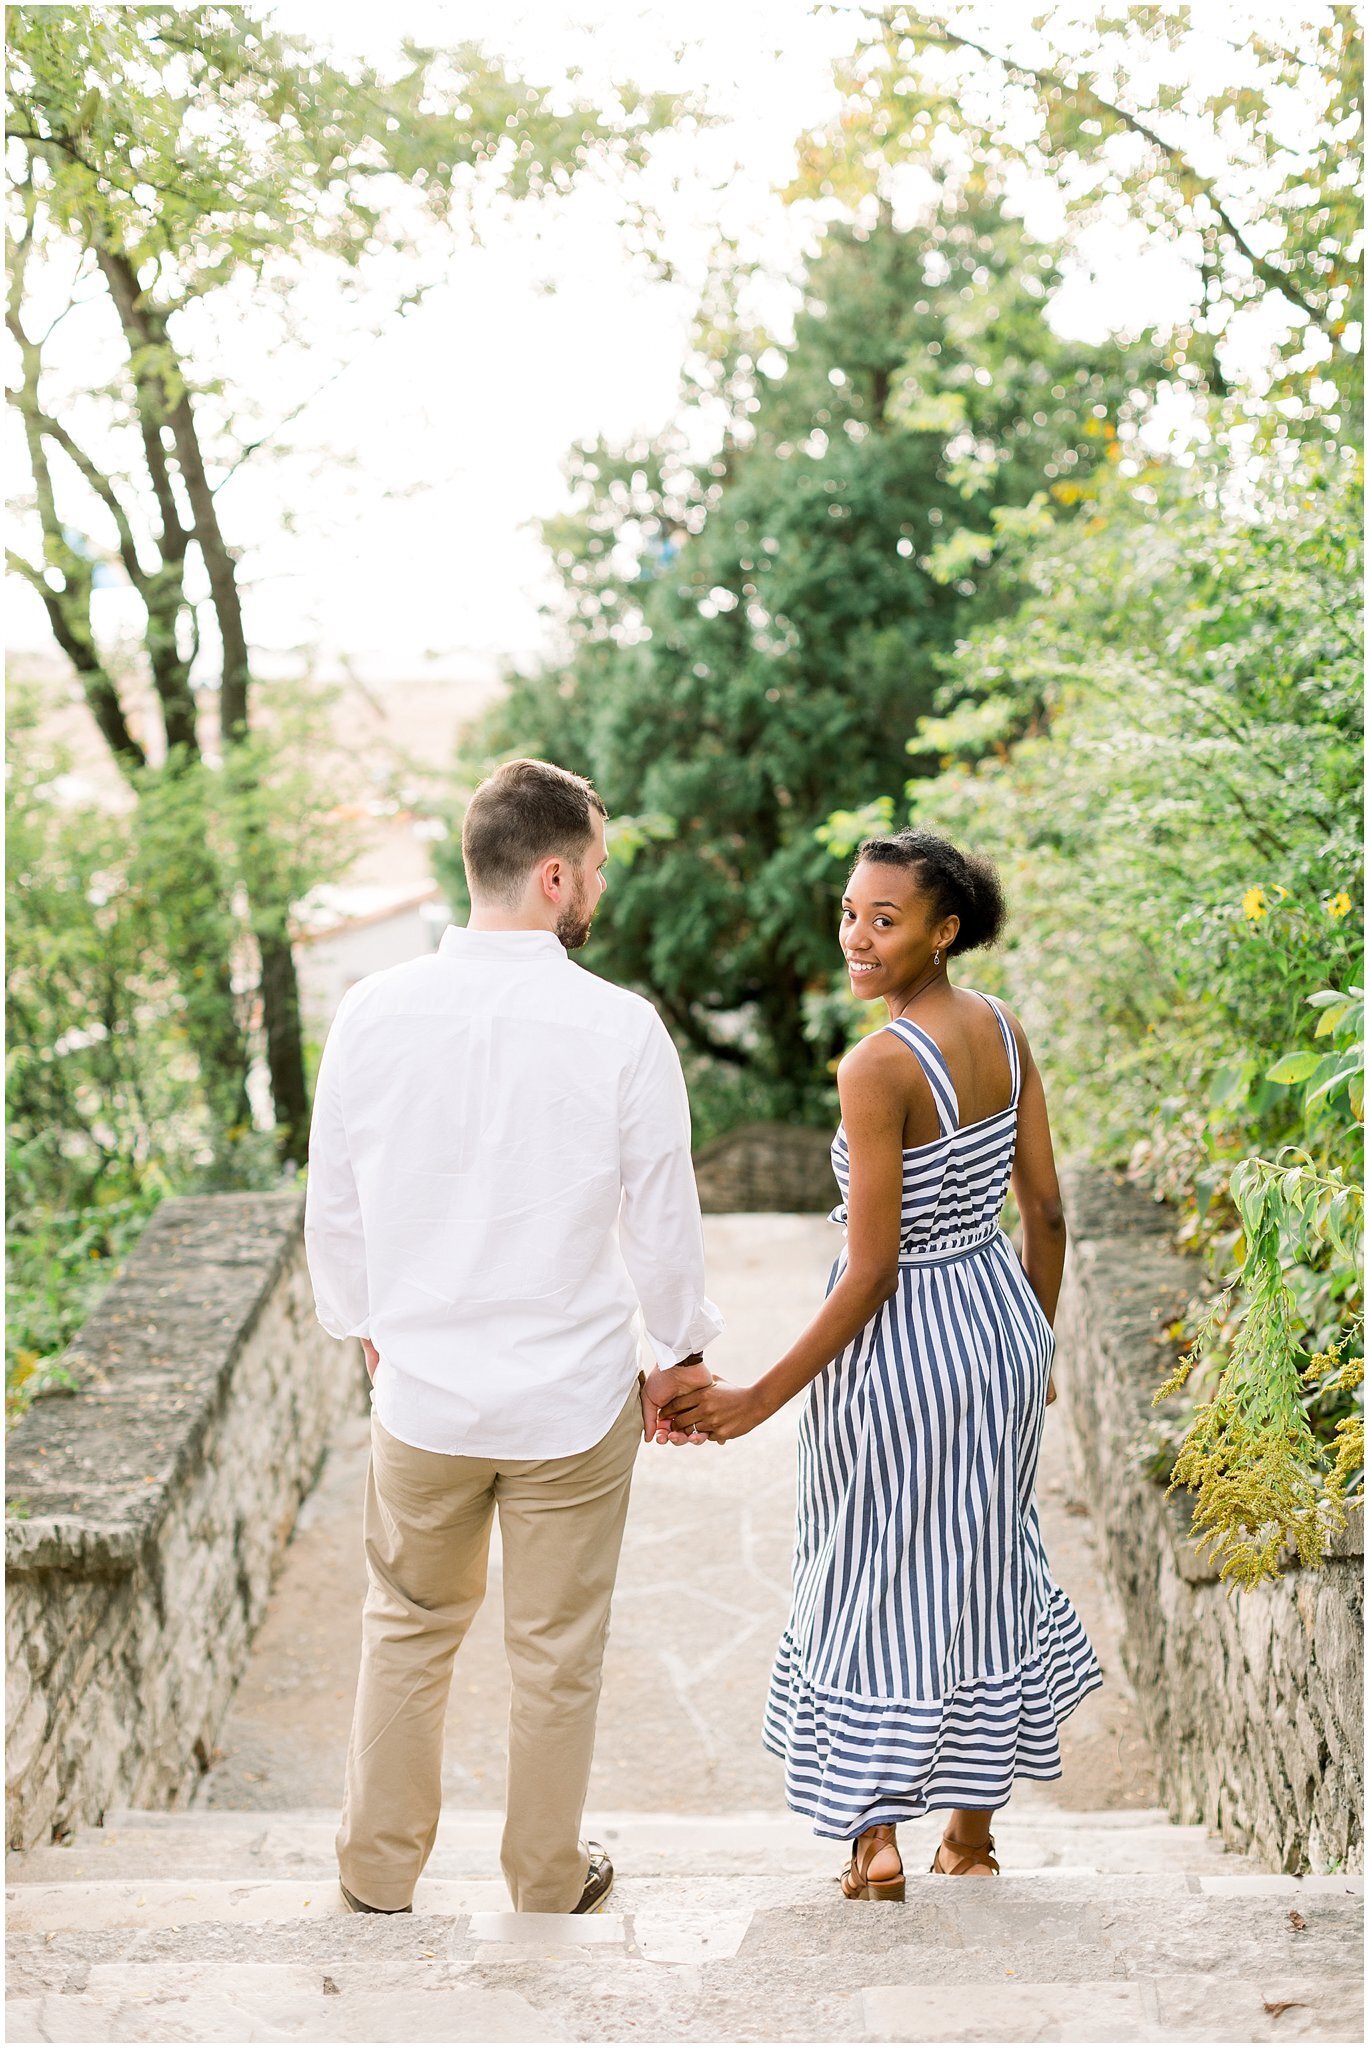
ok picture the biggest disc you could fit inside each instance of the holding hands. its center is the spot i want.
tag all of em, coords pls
(662, 1386)
(713, 1413)
(687, 1404)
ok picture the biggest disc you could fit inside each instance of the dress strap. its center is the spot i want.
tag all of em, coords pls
(929, 1057)
(1010, 1041)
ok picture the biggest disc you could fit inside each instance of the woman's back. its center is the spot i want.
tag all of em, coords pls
(955, 1181)
(966, 1030)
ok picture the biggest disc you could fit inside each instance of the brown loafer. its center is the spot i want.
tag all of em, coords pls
(599, 1883)
(355, 1905)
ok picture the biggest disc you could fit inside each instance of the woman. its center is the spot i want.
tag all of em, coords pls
(929, 1657)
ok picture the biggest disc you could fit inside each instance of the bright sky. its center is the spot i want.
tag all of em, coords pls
(418, 469)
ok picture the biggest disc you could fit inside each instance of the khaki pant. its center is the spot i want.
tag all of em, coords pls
(427, 1530)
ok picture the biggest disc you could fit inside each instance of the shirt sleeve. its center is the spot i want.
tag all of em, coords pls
(334, 1241)
(659, 1226)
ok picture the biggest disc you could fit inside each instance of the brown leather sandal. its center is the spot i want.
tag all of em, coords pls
(972, 1853)
(856, 1884)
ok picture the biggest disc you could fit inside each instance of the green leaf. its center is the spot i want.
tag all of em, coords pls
(1333, 1074)
(923, 412)
(1230, 1084)
(960, 552)
(1294, 1067)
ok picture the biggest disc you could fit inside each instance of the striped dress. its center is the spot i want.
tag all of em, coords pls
(929, 1656)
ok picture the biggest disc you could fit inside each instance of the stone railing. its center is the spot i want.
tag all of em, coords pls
(774, 1168)
(147, 1512)
(1252, 1699)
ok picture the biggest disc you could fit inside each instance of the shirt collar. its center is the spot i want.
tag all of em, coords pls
(460, 942)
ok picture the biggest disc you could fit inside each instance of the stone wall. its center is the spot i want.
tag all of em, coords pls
(1252, 1700)
(771, 1168)
(146, 1513)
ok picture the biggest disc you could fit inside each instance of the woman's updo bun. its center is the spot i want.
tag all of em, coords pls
(964, 885)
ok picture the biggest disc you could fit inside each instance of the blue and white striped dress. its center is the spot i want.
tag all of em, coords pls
(929, 1656)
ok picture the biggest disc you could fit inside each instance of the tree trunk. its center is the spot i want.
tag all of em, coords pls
(145, 328)
(792, 1057)
(182, 882)
(285, 1047)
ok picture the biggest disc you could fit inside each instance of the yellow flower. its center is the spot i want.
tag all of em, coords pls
(1339, 906)
(1254, 905)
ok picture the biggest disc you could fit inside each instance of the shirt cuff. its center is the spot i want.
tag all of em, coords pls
(703, 1329)
(336, 1327)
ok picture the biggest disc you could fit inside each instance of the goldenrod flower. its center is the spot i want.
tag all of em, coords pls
(1339, 906)
(1254, 904)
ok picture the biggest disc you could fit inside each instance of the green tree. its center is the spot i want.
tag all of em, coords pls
(174, 157)
(110, 1102)
(750, 640)
(1256, 179)
(1161, 746)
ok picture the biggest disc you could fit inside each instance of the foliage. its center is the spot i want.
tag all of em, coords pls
(110, 1102)
(1161, 748)
(206, 139)
(173, 167)
(1276, 1452)
(173, 161)
(59, 1261)
(1249, 1455)
(100, 1090)
(1255, 179)
(1169, 778)
(750, 639)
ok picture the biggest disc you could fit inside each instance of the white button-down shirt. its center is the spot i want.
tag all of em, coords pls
(499, 1175)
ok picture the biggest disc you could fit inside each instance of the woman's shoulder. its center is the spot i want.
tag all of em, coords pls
(870, 1057)
(1010, 1017)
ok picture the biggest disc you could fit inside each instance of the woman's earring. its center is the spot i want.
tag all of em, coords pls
(936, 957)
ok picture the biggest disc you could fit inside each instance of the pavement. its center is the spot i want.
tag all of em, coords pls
(702, 1597)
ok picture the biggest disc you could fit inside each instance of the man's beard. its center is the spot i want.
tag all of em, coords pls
(573, 925)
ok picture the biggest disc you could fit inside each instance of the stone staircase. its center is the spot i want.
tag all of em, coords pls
(1115, 1926)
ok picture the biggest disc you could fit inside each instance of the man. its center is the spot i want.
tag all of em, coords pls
(499, 1175)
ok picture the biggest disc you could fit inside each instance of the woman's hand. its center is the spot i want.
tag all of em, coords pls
(661, 1385)
(720, 1411)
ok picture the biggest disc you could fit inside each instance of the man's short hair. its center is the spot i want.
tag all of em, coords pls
(526, 812)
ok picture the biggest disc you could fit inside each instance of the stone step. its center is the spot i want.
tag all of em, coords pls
(267, 2006)
(460, 1823)
(1067, 1957)
(208, 1844)
(440, 2002)
(175, 1904)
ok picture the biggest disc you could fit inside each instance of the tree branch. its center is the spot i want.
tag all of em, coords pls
(145, 328)
(104, 490)
(681, 1015)
(97, 171)
(68, 610)
(79, 648)
(1271, 275)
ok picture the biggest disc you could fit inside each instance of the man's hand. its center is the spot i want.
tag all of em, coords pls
(664, 1384)
(719, 1411)
(372, 1357)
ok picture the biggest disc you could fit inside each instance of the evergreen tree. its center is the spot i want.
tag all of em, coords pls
(751, 641)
